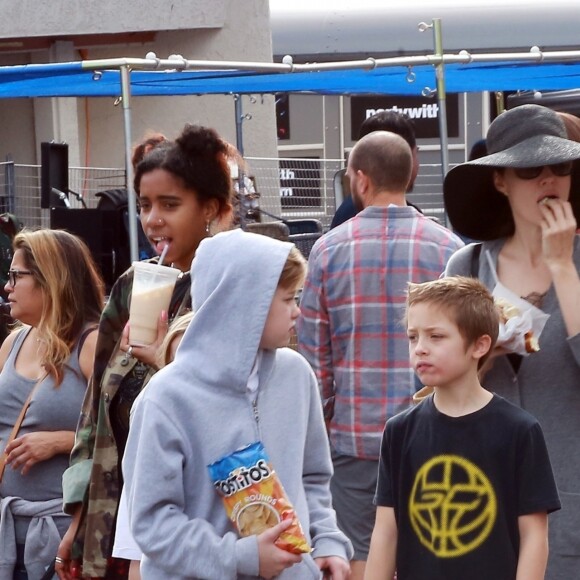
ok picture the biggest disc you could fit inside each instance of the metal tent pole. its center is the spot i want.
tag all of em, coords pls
(239, 121)
(440, 76)
(131, 197)
(439, 58)
(241, 175)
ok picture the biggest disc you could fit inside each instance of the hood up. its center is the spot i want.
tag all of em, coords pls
(234, 277)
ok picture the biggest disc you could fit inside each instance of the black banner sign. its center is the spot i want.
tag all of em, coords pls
(423, 111)
(300, 182)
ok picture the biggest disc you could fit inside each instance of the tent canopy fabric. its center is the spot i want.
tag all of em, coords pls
(74, 80)
(400, 76)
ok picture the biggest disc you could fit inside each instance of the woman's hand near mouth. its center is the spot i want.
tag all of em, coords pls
(558, 232)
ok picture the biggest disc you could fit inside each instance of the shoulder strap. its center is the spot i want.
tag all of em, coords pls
(17, 425)
(84, 335)
(474, 270)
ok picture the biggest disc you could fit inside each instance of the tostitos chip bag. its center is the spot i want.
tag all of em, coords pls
(254, 497)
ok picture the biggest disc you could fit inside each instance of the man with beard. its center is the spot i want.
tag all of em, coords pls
(351, 328)
(384, 121)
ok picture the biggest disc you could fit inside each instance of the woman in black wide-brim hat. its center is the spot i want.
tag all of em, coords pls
(523, 201)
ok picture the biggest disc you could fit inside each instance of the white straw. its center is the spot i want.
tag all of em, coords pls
(163, 254)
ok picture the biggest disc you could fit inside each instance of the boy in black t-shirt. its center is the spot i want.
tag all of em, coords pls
(465, 482)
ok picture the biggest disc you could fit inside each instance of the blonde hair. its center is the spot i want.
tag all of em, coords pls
(176, 329)
(63, 268)
(468, 303)
(294, 271)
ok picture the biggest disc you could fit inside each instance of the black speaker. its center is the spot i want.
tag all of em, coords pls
(100, 230)
(53, 174)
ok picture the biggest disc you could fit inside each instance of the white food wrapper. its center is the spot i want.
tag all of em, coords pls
(514, 334)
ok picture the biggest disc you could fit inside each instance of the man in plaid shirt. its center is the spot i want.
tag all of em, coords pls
(351, 327)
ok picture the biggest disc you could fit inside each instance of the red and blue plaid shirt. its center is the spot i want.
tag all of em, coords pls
(351, 328)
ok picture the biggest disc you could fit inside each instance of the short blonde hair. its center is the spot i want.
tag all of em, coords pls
(294, 271)
(176, 329)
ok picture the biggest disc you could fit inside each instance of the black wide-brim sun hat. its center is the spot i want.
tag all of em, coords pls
(527, 136)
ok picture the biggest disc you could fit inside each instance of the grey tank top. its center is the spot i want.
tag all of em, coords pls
(51, 409)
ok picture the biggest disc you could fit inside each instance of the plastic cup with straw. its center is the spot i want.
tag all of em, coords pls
(153, 286)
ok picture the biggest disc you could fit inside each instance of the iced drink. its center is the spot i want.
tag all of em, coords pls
(152, 289)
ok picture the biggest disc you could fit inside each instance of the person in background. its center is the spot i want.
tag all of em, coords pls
(450, 501)
(56, 295)
(523, 201)
(149, 143)
(125, 546)
(9, 227)
(478, 149)
(399, 124)
(237, 386)
(572, 124)
(184, 188)
(173, 338)
(350, 329)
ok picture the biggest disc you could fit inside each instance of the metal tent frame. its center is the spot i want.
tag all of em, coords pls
(152, 75)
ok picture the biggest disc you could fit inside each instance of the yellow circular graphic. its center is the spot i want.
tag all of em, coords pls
(452, 506)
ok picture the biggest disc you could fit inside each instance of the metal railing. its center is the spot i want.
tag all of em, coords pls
(290, 188)
(427, 193)
(296, 187)
(20, 189)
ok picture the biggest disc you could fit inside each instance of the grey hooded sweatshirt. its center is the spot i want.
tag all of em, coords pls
(197, 410)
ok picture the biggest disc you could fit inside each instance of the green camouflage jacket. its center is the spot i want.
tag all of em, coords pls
(93, 476)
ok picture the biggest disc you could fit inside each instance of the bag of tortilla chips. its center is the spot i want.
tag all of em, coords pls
(254, 497)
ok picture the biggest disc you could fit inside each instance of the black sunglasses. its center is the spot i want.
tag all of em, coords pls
(558, 169)
(13, 275)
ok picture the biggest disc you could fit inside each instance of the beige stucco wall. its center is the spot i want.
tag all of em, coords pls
(27, 18)
(196, 29)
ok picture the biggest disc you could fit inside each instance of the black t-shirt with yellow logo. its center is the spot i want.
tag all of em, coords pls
(458, 486)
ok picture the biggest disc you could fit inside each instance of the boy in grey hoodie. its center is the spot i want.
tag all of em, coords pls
(231, 385)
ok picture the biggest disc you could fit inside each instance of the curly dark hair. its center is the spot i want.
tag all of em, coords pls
(199, 158)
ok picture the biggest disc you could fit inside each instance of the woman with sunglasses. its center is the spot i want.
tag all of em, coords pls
(184, 190)
(56, 295)
(523, 201)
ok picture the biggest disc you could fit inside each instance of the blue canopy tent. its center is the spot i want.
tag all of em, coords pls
(415, 75)
(76, 80)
